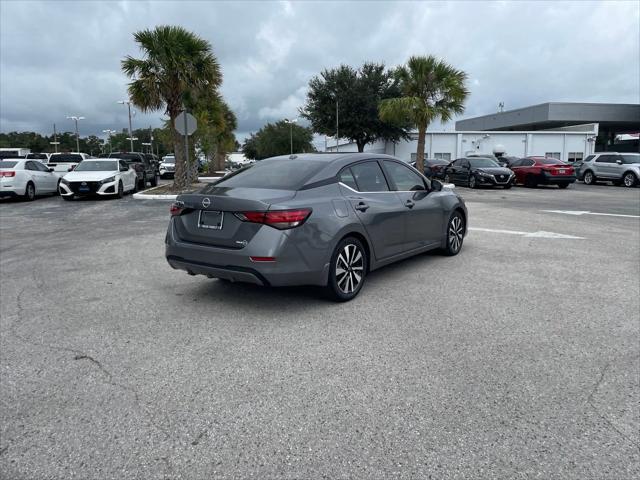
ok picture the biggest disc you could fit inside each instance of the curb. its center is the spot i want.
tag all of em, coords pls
(145, 196)
(208, 179)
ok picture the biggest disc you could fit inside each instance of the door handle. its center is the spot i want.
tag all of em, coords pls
(409, 204)
(362, 207)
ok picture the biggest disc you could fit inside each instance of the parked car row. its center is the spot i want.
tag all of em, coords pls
(476, 170)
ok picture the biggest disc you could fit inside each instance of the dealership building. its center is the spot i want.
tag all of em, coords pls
(567, 131)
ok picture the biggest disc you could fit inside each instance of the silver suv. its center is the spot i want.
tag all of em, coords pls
(619, 168)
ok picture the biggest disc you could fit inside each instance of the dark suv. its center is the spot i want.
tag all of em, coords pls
(145, 169)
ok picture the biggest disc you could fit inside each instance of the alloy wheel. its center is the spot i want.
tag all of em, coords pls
(456, 233)
(349, 268)
(31, 191)
(446, 179)
(629, 180)
(588, 178)
(472, 181)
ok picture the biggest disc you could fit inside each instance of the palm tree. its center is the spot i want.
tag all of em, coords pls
(178, 66)
(431, 89)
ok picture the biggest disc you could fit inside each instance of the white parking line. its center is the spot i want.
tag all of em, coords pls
(584, 212)
(539, 234)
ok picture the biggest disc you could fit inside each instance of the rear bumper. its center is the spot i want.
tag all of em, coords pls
(556, 179)
(293, 265)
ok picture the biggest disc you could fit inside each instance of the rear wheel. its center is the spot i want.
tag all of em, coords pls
(563, 185)
(30, 192)
(629, 179)
(473, 182)
(530, 181)
(589, 178)
(455, 234)
(120, 191)
(348, 270)
(154, 180)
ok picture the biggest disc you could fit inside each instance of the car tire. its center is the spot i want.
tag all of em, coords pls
(142, 183)
(447, 179)
(154, 181)
(455, 234)
(563, 185)
(120, 192)
(473, 183)
(67, 198)
(58, 187)
(530, 181)
(589, 178)
(349, 260)
(30, 192)
(629, 179)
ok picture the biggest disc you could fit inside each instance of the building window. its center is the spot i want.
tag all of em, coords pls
(575, 157)
(442, 156)
(555, 155)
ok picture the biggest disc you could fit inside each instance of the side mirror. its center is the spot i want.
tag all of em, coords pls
(436, 186)
(52, 170)
(619, 162)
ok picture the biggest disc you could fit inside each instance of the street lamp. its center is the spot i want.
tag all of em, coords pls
(75, 119)
(109, 133)
(128, 104)
(291, 122)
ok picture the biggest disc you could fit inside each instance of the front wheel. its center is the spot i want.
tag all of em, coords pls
(629, 179)
(348, 270)
(473, 182)
(455, 234)
(120, 191)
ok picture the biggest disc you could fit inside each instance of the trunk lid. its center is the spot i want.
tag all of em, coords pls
(202, 225)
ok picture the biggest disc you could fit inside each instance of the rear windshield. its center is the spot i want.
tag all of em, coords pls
(283, 174)
(127, 157)
(65, 157)
(37, 156)
(10, 154)
(627, 159)
(550, 161)
(6, 164)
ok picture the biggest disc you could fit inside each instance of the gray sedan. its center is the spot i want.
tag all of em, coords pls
(313, 219)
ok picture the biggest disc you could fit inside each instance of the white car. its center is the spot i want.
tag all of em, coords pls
(100, 176)
(66, 162)
(26, 178)
(168, 166)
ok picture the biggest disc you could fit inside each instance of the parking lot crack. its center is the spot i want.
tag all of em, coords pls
(592, 405)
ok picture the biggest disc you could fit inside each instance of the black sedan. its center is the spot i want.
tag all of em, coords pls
(475, 172)
(433, 167)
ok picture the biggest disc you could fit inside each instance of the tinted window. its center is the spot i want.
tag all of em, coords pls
(516, 163)
(405, 179)
(65, 158)
(347, 178)
(129, 157)
(30, 166)
(5, 164)
(606, 159)
(627, 159)
(287, 174)
(589, 158)
(369, 177)
(482, 162)
(431, 163)
(97, 166)
(41, 167)
(550, 161)
(124, 165)
(37, 156)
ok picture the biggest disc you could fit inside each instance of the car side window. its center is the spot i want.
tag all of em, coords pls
(41, 167)
(405, 179)
(517, 163)
(30, 166)
(455, 163)
(347, 178)
(588, 159)
(527, 162)
(606, 159)
(369, 177)
(464, 163)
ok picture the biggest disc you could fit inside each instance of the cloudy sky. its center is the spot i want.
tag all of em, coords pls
(63, 58)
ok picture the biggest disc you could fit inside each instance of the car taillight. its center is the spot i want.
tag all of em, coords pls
(7, 174)
(176, 209)
(280, 219)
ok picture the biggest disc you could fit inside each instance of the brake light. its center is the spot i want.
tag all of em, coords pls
(280, 219)
(7, 174)
(176, 209)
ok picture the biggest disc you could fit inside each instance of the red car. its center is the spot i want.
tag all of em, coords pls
(534, 171)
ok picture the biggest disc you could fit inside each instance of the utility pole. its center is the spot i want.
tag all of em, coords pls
(75, 119)
(55, 142)
(128, 104)
(150, 139)
(337, 125)
(291, 122)
(109, 133)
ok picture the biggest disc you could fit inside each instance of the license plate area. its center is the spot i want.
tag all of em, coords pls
(561, 171)
(210, 219)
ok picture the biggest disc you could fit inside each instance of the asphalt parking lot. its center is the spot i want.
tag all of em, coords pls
(518, 358)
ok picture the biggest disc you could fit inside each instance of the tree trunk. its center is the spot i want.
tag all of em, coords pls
(361, 144)
(182, 174)
(422, 133)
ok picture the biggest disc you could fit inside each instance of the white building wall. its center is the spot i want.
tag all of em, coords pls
(458, 144)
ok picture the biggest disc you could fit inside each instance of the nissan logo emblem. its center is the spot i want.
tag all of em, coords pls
(206, 202)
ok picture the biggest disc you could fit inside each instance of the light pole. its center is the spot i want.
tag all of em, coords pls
(291, 122)
(109, 133)
(55, 138)
(128, 104)
(75, 119)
